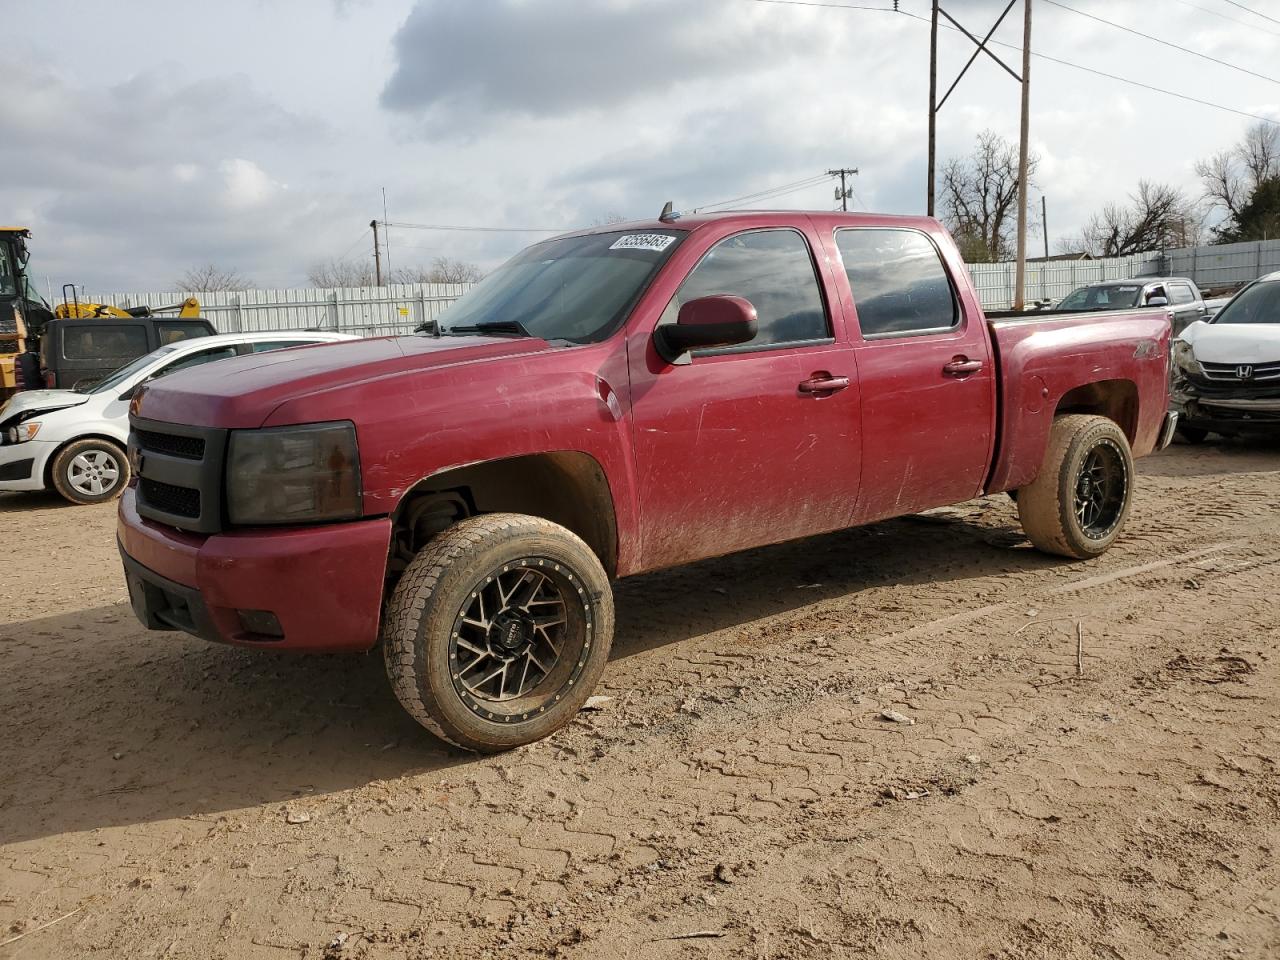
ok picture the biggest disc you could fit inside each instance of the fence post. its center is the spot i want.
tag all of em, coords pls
(238, 317)
(333, 312)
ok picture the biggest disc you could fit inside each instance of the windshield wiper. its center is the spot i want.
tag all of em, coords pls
(493, 326)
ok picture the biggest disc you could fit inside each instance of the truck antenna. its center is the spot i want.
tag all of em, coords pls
(668, 213)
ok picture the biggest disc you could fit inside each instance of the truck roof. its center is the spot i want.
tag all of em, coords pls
(691, 221)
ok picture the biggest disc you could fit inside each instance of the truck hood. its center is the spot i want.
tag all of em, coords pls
(41, 401)
(242, 393)
(1234, 342)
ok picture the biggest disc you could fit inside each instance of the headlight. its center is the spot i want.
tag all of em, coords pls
(22, 432)
(1184, 358)
(301, 474)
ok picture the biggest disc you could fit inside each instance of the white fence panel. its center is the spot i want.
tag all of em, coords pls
(366, 311)
(399, 308)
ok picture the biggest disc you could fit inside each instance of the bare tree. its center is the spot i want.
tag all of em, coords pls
(1231, 177)
(341, 273)
(1157, 216)
(979, 197)
(211, 277)
(442, 270)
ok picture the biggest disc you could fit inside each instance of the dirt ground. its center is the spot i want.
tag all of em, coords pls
(741, 794)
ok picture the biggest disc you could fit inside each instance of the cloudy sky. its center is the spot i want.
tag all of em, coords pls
(258, 134)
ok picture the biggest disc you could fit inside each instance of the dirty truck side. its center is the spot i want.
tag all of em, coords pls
(608, 403)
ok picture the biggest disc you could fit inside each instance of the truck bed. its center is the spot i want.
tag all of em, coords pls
(1050, 363)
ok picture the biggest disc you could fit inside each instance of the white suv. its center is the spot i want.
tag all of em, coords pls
(75, 441)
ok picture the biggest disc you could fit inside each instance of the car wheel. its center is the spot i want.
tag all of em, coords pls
(1078, 504)
(1190, 434)
(498, 631)
(90, 471)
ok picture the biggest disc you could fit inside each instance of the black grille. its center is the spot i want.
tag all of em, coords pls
(188, 448)
(179, 501)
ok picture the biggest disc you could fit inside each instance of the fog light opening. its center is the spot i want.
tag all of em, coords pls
(261, 622)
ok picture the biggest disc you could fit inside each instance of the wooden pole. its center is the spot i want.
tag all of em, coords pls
(1020, 274)
(933, 103)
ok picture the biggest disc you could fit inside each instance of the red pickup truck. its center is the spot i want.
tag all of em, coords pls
(607, 403)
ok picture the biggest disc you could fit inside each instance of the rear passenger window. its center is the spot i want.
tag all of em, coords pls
(99, 341)
(898, 282)
(1181, 293)
(772, 269)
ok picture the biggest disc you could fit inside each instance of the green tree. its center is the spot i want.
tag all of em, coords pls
(1259, 218)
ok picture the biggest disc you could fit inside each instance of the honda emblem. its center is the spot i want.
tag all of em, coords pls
(1244, 372)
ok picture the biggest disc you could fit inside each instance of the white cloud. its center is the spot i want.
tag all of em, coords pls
(546, 113)
(245, 184)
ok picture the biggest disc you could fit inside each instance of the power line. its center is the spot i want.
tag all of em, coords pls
(1057, 60)
(1256, 13)
(441, 226)
(1223, 16)
(1166, 43)
(837, 6)
(359, 240)
(771, 193)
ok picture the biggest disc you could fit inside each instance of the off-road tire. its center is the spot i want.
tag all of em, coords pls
(1047, 506)
(422, 614)
(65, 461)
(1193, 435)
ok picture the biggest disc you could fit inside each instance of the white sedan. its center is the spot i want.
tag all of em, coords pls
(75, 441)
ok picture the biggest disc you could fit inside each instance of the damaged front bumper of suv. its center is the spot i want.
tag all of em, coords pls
(1245, 406)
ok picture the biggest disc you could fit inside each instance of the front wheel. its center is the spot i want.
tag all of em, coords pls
(498, 631)
(90, 471)
(1078, 504)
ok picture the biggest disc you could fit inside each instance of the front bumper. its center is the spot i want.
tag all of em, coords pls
(323, 584)
(22, 465)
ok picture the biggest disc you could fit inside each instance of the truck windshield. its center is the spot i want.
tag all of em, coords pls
(1109, 296)
(577, 289)
(1257, 303)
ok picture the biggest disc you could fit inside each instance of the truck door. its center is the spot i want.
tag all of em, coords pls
(751, 444)
(926, 373)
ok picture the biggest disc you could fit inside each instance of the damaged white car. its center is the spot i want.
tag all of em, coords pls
(1226, 375)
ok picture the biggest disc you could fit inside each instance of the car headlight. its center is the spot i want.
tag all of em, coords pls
(1184, 358)
(301, 474)
(22, 432)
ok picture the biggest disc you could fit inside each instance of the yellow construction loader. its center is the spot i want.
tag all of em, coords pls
(24, 313)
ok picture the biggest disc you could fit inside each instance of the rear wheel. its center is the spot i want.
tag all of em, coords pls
(90, 471)
(1078, 504)
(498, 631)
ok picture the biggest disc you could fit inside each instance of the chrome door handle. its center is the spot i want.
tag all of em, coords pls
(962, 367)
(823, 384)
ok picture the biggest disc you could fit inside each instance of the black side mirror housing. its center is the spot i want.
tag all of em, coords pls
(719, 321)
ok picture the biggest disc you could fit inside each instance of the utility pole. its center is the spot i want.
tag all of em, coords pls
(933, 101)
(845, 193)
(1044, 223)
(377, 254)
(1020, 274)
(980, 46)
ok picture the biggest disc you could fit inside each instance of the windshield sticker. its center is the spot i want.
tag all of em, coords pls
(657, 242)
(1127, 289)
